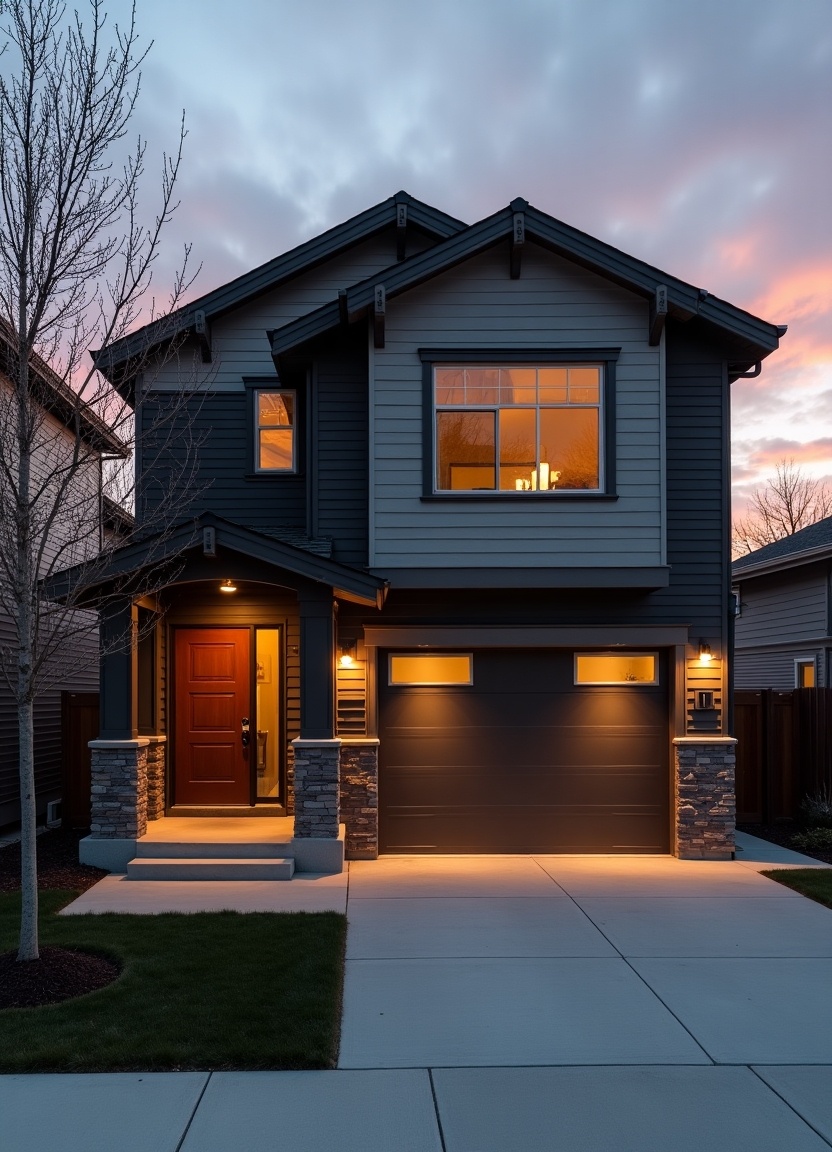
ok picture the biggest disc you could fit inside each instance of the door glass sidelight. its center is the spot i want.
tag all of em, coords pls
(267, 740)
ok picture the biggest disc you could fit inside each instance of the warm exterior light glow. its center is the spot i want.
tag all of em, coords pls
(705, 655)
(228, 586)
(346, 660)
(347, 657)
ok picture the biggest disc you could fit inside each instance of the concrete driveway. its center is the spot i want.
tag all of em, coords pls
(519, 1004)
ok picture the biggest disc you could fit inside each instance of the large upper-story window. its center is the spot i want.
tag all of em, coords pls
(275, 423)
(518, 427)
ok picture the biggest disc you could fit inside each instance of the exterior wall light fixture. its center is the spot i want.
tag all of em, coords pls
(228, 586)
(347, 657)
(705, 654)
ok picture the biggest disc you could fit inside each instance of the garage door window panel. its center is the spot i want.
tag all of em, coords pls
(617, 668)
(430, 670)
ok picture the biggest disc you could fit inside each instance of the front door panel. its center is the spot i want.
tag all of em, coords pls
(213, 695)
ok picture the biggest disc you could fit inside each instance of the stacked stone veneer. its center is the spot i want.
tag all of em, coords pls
(317, 788)
(359, 797)
(156, 777)
(705, 797)
(119, 788)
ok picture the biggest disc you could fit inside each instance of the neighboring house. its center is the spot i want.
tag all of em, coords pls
(460, 572)
(61, 419)
(783, 626)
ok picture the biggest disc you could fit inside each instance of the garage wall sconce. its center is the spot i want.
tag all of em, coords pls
(348, 651)
(705, 654)
(228, 586)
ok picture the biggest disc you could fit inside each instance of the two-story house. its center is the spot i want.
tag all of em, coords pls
(458, 572)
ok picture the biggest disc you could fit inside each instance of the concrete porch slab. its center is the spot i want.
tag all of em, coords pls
(306, 892)
(615, 1110)
(749, 1011)
(706, 926)
(130, 1111)
(312, 1111)
(451, 1013)
(485, 926)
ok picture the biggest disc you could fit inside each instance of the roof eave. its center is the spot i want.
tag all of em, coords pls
(779, 563)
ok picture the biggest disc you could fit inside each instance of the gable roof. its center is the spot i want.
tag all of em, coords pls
(162, 552)
(812, 543)
(56, 397)
(114, 360)
(753, 338)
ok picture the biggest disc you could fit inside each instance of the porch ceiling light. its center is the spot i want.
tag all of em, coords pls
(228, 586)
(705, 654)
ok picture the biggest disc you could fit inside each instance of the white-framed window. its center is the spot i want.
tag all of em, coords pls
(275, 426)
(804, 672)
(429, 668)
(518, 428)
(617, 668)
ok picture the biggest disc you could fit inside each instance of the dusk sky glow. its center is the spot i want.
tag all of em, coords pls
(696, 137)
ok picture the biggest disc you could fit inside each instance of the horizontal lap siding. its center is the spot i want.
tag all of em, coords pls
(783, 607)
(219, 423)
(239, 341)
(477, 306)
(764, 668)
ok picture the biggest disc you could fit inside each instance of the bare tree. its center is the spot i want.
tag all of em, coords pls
(788, 501)
(75, 267)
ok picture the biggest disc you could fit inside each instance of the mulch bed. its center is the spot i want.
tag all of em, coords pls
(782, 834)
(59, 974)
(58, 865)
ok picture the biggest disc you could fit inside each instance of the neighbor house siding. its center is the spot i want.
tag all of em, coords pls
(783, 607)
(554, 304)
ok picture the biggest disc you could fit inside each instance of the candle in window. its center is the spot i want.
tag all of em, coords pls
(518, 485)
(544, 477)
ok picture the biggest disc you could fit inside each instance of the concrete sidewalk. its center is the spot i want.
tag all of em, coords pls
(519, 1004)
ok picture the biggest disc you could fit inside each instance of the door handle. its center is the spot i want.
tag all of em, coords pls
(246, 732)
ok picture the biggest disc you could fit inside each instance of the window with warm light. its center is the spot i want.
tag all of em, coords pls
(275, 421)
(518, 428)
(804, 674)
(616, 667)
(430, 668)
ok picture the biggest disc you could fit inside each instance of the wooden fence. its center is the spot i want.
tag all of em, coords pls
(784, 750)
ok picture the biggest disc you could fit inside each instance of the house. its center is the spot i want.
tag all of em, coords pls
(457, 576)
(64, 423)
(783, 625)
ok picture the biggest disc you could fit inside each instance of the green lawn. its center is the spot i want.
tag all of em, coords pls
(816, 883)
(213, 990)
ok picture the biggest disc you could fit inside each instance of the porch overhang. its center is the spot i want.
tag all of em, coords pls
(155, 561)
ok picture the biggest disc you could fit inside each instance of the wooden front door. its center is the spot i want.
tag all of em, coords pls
(212, 698)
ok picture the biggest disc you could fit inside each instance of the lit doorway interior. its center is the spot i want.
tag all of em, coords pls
(267, 714)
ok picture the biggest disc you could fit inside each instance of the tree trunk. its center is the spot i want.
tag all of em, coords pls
(28, 822)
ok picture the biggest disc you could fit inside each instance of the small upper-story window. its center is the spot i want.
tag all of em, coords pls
(524, 428)
(275, 414)
(804, 673)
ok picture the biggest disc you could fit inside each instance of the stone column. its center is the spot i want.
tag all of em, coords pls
(156, 777)
(119, 789)
(317, 800)
(705, 797)
(359, 796)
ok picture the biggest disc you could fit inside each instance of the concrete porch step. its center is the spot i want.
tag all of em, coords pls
(211, 868)
(222, 850)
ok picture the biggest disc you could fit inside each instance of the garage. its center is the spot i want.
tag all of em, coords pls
(532, 750)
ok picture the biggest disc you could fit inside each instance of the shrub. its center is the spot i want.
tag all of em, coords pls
(814, 840)
(816, 809)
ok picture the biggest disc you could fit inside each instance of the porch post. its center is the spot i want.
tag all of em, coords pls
(119, 755)
(317, 751)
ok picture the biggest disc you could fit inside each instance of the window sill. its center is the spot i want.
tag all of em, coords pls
(272, 475)
(519, 497)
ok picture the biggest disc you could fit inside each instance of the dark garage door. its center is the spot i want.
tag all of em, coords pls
(523, 761)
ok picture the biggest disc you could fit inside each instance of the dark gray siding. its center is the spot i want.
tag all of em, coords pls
(775, 667)
(47, 734)
(342, 449)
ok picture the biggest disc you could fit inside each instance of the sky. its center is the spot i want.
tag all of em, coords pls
(693, 134)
